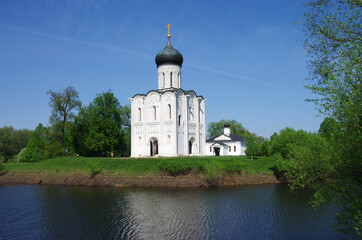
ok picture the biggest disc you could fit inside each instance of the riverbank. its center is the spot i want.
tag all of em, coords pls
(142, 172)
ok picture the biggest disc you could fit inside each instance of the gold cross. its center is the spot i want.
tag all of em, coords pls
(168, 26)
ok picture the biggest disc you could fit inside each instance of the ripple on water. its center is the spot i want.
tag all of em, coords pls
(250, 212)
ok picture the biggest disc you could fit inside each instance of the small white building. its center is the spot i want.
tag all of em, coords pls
(226, 144)
(168, 121)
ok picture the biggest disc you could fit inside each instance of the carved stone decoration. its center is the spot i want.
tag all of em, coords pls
(154, 100)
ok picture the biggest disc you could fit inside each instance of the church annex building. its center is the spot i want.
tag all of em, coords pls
(168, 121)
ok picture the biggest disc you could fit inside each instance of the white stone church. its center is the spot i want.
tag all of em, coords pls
(168, 121)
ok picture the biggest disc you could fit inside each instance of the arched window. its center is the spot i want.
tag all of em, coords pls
(139, 115)
(170, 79)
(234, 148)
(210, 149)
(179, 80)
(154, 113)
(169, 111)
(179, 120)
(163, 80)
(191, 115)
(229, 149)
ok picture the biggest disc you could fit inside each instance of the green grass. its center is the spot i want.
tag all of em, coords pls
(144, 166)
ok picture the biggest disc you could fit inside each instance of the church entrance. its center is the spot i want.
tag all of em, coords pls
(192, 149)
(153, 147)
(217, 151)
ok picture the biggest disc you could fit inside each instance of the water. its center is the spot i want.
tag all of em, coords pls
(249, 212)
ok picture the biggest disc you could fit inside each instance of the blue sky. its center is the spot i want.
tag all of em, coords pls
(245, 57)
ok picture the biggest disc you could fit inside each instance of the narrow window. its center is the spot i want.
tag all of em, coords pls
(229, 149)
(234, 148)
(163, 80)
(171, 79)
(179, 120)
(139, 115)
(169, 111)
(210, 149)
(179, 80)
(154, 113)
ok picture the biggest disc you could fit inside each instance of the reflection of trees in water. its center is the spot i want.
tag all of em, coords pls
(254, 212)
(82, 212)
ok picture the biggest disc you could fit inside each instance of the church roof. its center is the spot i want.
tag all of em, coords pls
(162, 91)
(233, 138)
(169, 55)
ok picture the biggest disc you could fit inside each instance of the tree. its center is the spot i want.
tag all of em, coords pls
(217, 128)
(329, 128)
(265, 148)
(333, 40)
(252, 147)
(63, 104)
(101, 126)
(34, 150)
(12, 141)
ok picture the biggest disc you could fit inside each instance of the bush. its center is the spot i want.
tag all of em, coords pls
(20, 156)
(1, 167)
(232, 166)
(93, 169)
(175, 168)
(214, 174)
(32, 155)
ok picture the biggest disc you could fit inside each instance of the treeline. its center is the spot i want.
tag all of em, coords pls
(101, 128)
(12, 141)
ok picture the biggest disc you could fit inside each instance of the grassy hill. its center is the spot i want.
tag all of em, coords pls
(212, 169)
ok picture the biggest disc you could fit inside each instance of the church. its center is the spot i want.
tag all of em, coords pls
(168, 121)
(226, 144)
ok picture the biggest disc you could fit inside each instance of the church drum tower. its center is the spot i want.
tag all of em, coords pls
(168, 121)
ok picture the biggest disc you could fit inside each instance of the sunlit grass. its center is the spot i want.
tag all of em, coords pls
(145, 166)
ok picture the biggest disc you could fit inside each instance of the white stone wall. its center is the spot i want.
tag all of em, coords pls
(172, 118)
(169, 76)
(224, 150)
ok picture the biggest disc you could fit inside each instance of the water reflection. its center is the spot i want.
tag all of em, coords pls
(250, 212)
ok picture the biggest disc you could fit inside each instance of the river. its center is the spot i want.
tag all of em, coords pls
(247, 212)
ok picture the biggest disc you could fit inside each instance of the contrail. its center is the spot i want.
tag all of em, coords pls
(232, 75)
(97, 45)
(123, 50)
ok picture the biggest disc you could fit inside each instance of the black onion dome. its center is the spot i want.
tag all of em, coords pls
(169, 55)
(227, 125)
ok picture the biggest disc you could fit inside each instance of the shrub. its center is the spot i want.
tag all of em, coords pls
(1, 167)
(20, 156)
(93, 169)
(175, 168)
(214, 175)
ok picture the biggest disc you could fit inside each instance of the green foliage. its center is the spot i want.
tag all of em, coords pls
(265, 148)
(252, 146)
(12, 141)
(1, 167)
(20, 156)
(93, 169)
(214, 174)
(329, 128)
(102, 126)
(333, 41)
(63, 104)
(175, 168)
(34, 151)
(217, 128)
(302, 157)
